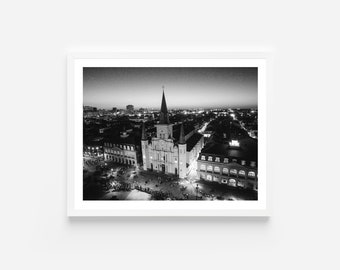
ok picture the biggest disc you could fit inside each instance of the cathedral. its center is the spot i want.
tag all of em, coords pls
(163, 153)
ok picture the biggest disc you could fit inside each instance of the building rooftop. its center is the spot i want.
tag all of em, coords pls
(247, 149)
(193, 140)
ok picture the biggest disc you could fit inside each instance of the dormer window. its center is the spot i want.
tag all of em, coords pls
(202, 157)
(226, 160)
(210, 158)
(217, 159)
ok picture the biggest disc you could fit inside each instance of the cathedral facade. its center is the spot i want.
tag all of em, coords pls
(163, 153)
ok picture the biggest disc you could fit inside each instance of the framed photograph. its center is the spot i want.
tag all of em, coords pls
(167, 134)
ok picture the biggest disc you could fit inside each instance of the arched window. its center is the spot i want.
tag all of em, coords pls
(232, 182)
(251, 174)
(242, 173)
(202, 157)
(210, 158)
(217, 169)
(202, 167)
(209, 177)
(209, 168)
(233, 171)
(225, 171)
(240, 184)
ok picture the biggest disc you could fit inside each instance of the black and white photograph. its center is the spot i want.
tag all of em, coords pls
(170, 134)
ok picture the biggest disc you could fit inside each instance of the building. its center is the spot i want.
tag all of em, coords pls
(233, 163)
(165, 153)
(130, 109)
(123, 149)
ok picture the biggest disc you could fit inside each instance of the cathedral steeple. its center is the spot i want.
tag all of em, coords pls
(181, 135)
(164, 116)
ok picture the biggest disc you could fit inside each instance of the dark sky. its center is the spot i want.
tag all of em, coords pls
(184, 87)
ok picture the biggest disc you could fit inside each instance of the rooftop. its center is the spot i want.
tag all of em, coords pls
(247, 149)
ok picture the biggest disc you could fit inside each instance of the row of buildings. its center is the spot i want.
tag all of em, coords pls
(227, 156)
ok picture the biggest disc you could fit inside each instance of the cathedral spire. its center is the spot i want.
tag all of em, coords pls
(164, 116)
(181, 135)
(143, 132)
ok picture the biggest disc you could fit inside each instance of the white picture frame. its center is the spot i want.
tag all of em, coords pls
(76, 206)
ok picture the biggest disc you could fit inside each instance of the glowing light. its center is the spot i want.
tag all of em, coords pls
(235, 143)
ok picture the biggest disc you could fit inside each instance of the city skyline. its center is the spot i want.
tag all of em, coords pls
(189, 88)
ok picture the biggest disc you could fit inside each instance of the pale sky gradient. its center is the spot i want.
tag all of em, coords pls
(184, 87)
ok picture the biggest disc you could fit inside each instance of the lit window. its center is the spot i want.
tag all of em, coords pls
(240, 184)
(242, 173)
(217, 169)
(132, 148)
(209, 168)
(251, 174)
(202, 157)
(217, 159)
(226, 160)
(202, 167)
(225, 171)
(252, 164)
(243, 162)
(215, 178)
(233, 171)
(209, 177)
(210, 158)
(232, 182)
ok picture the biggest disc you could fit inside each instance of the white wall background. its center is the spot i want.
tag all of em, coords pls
(303, 135)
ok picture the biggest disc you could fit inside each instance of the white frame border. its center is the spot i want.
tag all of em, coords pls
(77, 207)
